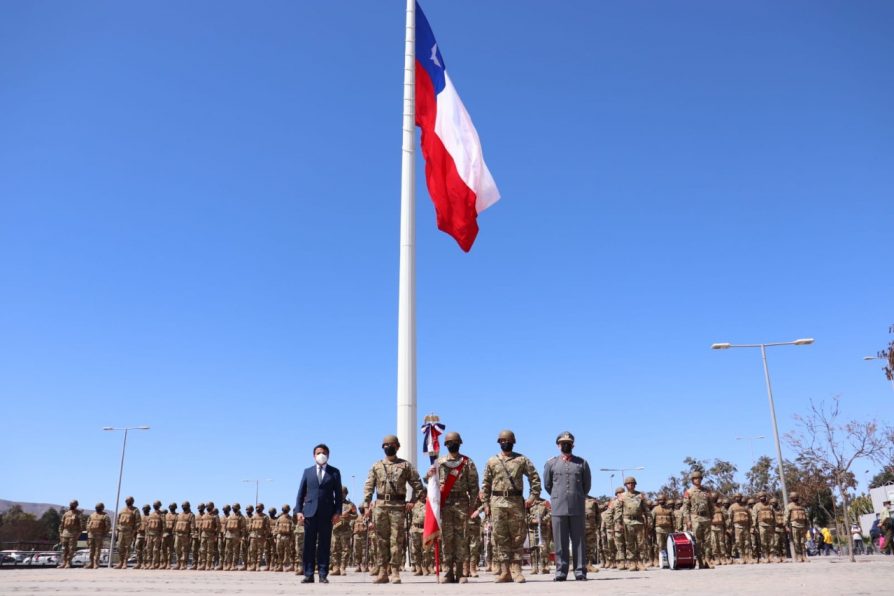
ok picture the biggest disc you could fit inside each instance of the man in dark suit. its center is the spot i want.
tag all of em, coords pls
(318, 507)
(567, 480)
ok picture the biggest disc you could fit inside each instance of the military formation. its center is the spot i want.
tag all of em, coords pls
(489, 521)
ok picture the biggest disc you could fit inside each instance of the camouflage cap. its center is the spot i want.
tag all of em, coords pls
(210, 504)
(738, 496)
(286, 508)
(146, 508)
(259, 507)
(73, 503)
(172, 506)
(630, 480)
(156, 504)
(506, 435)
(565, 437)
(100, 506)
(794, 496)
(661, 499)
(344, 490)
(129, 500)
(390, 439)
(201, 505)
(237, 506)
(620, 490)
(226, 507)
(696, 474)
(272, 512)
(454, 437)
(774, 501)
(185, 504)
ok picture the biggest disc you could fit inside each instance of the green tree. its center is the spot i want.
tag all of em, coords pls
(763, 476)
(883, 478)
(720, 477)
(50, 521)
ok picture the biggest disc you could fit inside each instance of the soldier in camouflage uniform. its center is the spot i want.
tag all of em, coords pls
(592, 524)
(618, 528)
(127, 524)
(233, 529)
(98, 527)
(764, 519)
(269, 549)
(779, 530)
(69, 532)
(502, 492)
(698, 510)
(299, 544)
(663, 522)
(285, 543)
(388, 479)
(372, 545)
(475, 532)
(635, 513)
(796, 522)
(719, 553)
(167, 538)
(249, 513)
(155, 528)
(606, 538)
(341, 536)
(539, 536)
(182, 532)
(417, 525)
(755, 533)
(144, 558)
(679, 522)
(222, 536)
(207, 537)
(195, 537)
(257, 538)
(361, 535)
(456, 503)
(740, 520)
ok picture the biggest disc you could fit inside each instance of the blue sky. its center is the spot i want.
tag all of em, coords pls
(199, 232)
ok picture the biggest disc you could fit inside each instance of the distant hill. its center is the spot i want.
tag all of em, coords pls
(37, 509)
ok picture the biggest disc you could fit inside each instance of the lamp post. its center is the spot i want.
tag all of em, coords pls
(879, 358)
(621, 470)
(258, 482)
(763, 347)
(751, 444)
(118, 491)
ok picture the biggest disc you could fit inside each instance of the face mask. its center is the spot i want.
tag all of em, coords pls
(566, 448)
(507, 447)
(453, 448)
(390, 450)
(321, 458)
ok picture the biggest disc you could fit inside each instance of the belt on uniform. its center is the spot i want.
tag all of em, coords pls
(506, 493)
(396, 498)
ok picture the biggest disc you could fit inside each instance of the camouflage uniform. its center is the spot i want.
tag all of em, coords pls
(269, 549)
(539, 536)
(764, 519)
(618, 529)
(740, 520)
(361, 550)
(207, 537)
(299, 545)
(502, 493)
(592, 524)
(128, 521)
(417, 523)
(455, 509)
(779, 530)
(795, 520)
(143, 556)
(249, 513)
(719, 550)
(663, 522)
(606, 536)
(167, 537)
(233, 528)
(341, 536)
(285, 543)
(635, 513)
(388, 479)
(155, 527)
(69, 532)
(98, 527)
(221, 542)
(474, 534)
(182, 534)
(195, 537)
(679, 522)
(257, 538)
(698, 509)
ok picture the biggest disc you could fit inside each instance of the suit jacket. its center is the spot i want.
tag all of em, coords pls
(567, 483)
(316, 498)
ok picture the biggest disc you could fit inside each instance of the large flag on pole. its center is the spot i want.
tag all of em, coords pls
(458, 180)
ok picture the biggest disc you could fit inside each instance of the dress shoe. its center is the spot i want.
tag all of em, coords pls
(324, 580)
(308, 580)
(559, 578)
(580, 578)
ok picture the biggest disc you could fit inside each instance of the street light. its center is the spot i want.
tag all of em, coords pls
(798, 342)
(751, 444)
(118, 492)
(257, 485)
(621, 470)
(879, 358)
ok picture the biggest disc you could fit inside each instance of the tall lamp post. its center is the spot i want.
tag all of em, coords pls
(751, 441)
(118, 491)
(879, 358)
(763, 347)
(258, 482)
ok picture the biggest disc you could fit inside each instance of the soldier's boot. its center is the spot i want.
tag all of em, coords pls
(417, 571)
(463, 575)
(473, 569)
(534, 569)
(448, 577)
(382, 576)
(335, 570)
(395, 574)
(515, 570)
(358, 569)
(501, 573)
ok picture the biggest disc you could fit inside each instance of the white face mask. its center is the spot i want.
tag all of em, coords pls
(321, 458)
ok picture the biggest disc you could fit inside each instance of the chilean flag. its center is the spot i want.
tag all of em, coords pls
(458, 180)
(431, 529)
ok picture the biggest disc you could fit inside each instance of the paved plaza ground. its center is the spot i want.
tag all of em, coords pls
(822, 576)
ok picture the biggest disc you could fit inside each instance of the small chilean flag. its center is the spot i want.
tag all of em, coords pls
(458, 180)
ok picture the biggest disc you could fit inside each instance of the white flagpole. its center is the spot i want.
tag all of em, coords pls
(406, 323)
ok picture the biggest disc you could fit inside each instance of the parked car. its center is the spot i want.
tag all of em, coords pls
(80, 558)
